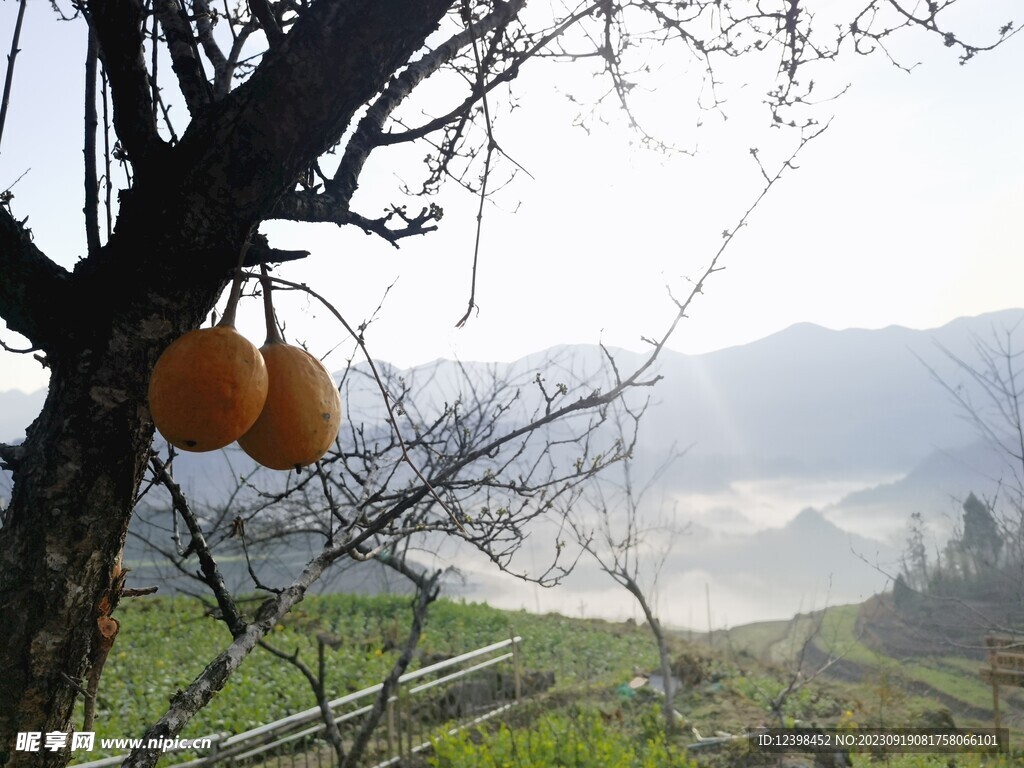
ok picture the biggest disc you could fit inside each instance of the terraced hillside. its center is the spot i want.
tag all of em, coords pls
(928, 663)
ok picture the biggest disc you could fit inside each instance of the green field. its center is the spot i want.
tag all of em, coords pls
(585, 720)
(164, 643)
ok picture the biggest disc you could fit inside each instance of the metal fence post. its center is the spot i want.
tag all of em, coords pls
(410, 721)
(516, 670)
(399, 724)
(391, 726)
(211, 756)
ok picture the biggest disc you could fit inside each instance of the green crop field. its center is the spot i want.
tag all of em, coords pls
(588, 719)
(164, 643)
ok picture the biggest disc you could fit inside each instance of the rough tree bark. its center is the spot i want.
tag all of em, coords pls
(102, 326)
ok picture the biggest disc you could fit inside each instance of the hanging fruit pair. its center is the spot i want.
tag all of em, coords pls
(212, 387)
(302, 413)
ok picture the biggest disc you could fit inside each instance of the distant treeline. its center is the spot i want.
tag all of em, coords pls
(982, 562)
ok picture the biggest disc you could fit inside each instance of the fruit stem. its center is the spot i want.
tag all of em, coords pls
(273, 334)
(228, 320)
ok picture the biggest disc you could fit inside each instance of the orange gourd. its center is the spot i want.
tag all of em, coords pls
(302, 413)
(209, 386)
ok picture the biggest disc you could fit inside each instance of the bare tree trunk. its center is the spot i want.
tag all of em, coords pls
(426, 593)
(668, 706)
(74, 488)
(318, 683)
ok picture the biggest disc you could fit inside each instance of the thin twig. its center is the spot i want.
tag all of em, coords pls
(153, 81)
(633, 380)
(211, 572)
(10, 67)
(383, 390)
(468, 14)
(91, 210)
(18, 350)
(108, 182)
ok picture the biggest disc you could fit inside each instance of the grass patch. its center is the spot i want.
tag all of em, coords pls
(579, 737)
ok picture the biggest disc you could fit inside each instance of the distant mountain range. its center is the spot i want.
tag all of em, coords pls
(806, 403)
(851, 423)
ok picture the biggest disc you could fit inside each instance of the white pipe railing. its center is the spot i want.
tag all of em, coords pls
(265, 738)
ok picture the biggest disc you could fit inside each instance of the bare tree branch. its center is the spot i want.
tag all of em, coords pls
(92, 185)
(318, 682)
(268, 21)
(426, 593)
(204, 29)
(185, 61)
(119, 30)
(29, 275)
(211, 573)
(369, 133)
(9, 77)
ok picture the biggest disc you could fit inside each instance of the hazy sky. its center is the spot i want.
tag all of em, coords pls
(907, 211)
